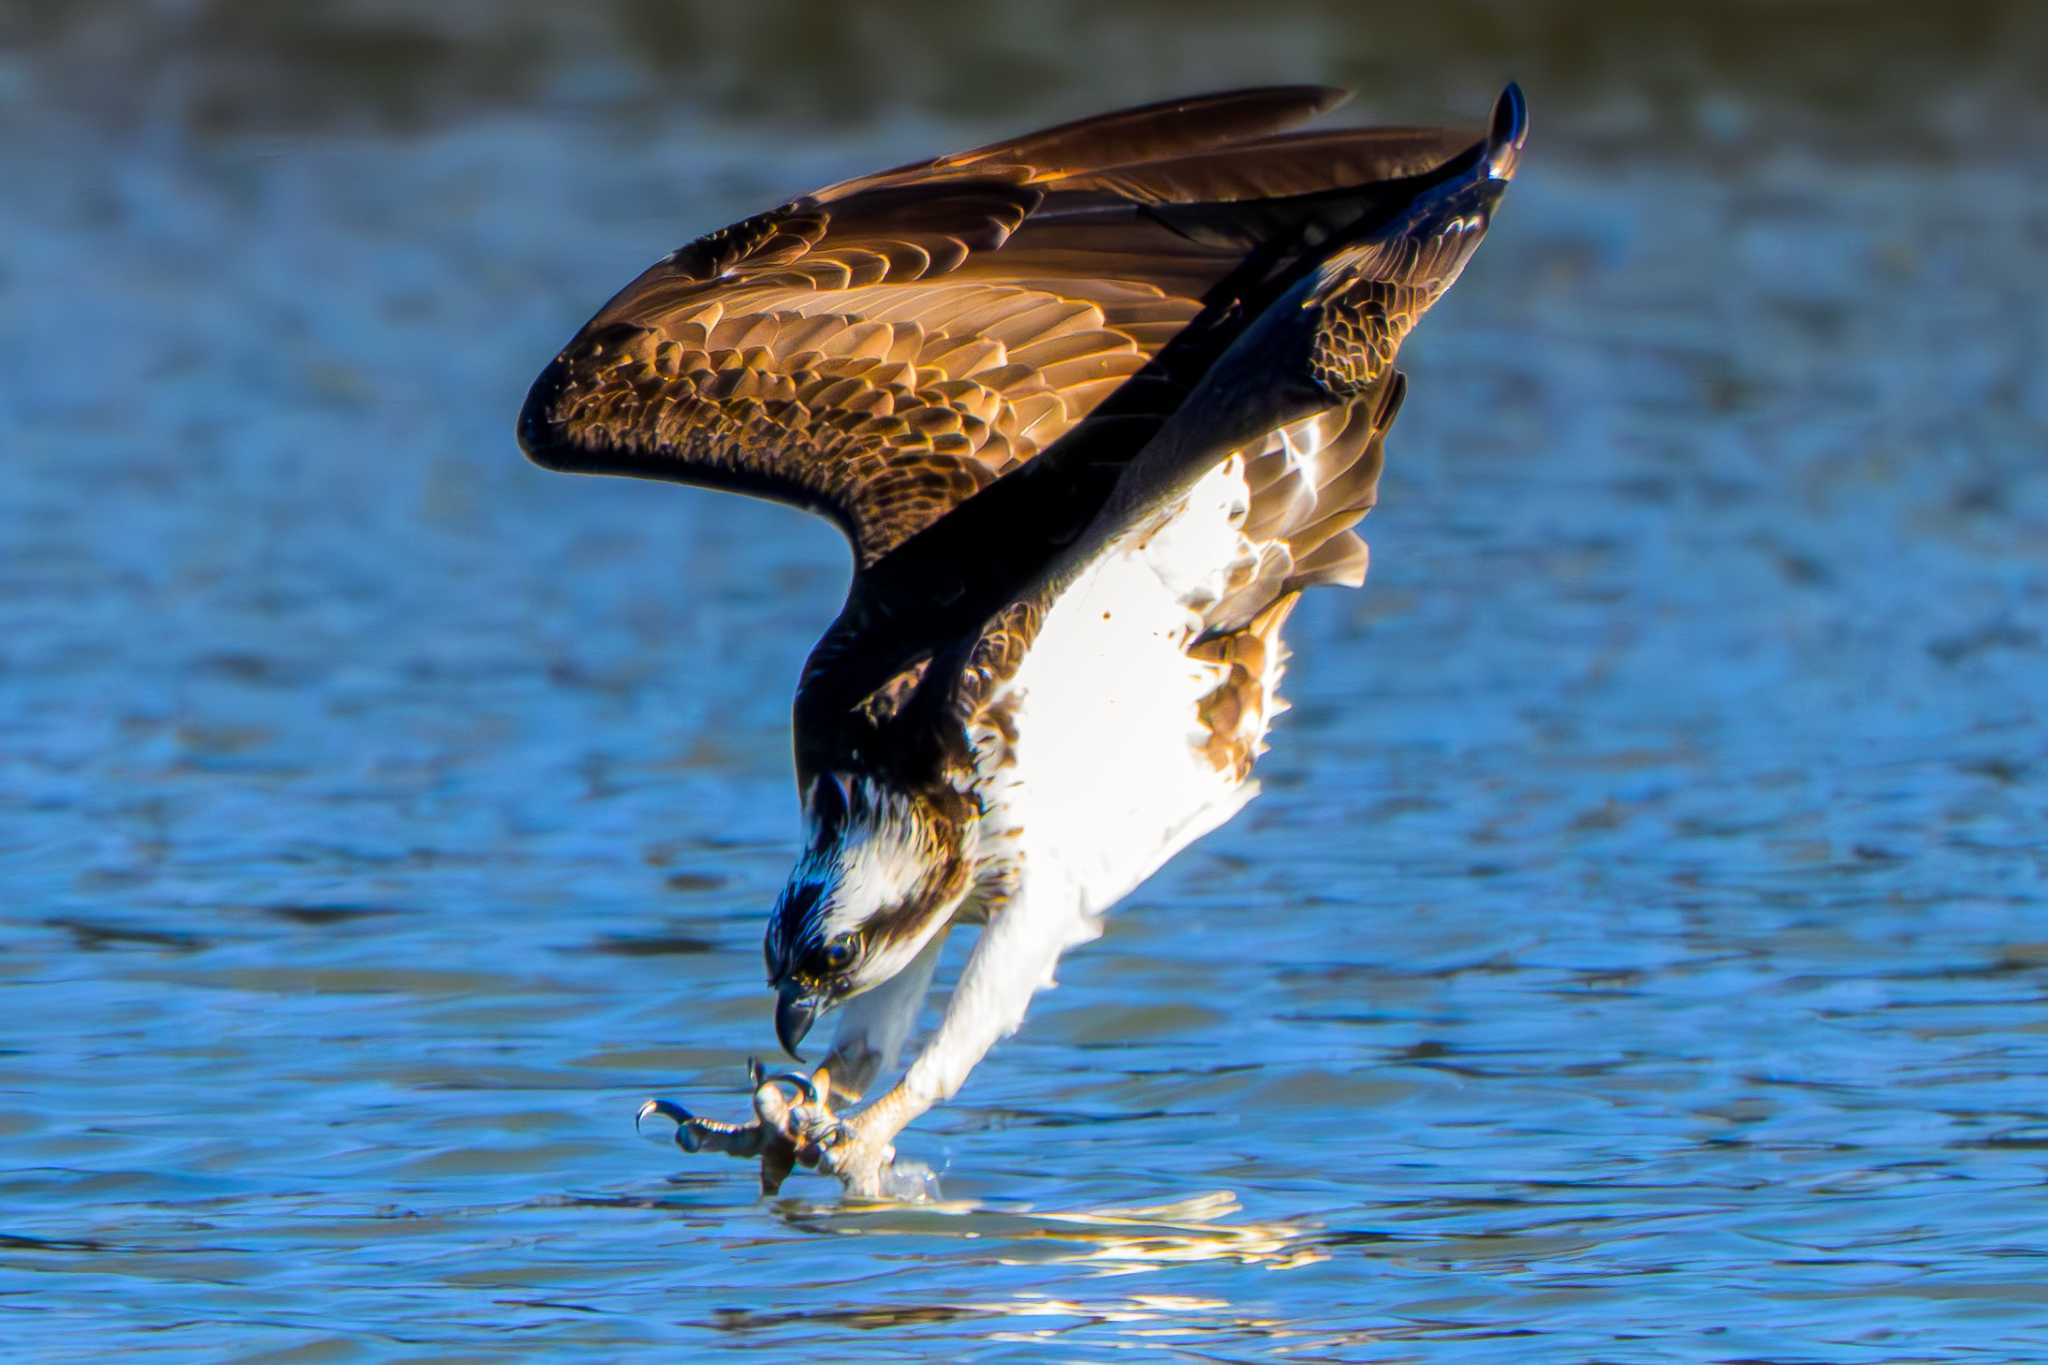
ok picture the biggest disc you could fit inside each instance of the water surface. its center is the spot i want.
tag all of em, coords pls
(1639, 952)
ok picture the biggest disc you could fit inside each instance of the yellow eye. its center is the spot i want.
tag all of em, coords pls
(839, 952)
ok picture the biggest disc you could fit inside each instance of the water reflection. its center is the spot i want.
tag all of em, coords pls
(1205, 1227)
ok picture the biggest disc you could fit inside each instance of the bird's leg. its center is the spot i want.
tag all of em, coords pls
(1011, 963)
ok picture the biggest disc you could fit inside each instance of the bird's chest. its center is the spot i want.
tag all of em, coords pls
(1094, 762)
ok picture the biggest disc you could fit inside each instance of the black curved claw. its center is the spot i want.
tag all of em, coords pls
(668, 1109)
(804, 1085)
(687, 1137)
(1509, 131)
(695, 1135)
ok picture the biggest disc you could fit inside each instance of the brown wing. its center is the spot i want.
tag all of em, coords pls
(882, 350)
(1310, 484)
(1308, 307)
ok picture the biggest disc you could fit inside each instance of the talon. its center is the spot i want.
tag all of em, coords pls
(824, 1141)
(803, 1084)
(668, 1109)
(793, 1125)
(694, 1134)
(687, 1135)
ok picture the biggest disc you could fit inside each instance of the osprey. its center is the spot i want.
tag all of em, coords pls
(1093, 406)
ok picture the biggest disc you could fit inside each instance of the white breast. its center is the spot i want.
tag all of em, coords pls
(1103, 776)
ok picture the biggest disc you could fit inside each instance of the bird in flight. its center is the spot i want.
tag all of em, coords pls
(1093, 405)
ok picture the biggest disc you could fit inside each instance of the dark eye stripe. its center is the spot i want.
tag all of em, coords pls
(800, 904)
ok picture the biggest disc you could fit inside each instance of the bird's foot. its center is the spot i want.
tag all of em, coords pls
(835, 1145)
(767, 1137)
(862, 1162)
(794, 1125)
(859, 1149)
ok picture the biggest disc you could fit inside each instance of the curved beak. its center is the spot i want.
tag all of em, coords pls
(795, 1012)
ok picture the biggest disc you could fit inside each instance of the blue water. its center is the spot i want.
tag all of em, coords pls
(1639, 953)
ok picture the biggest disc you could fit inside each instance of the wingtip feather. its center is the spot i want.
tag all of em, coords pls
(1509, 130)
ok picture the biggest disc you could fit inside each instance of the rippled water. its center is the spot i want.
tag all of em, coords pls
(1639, 953)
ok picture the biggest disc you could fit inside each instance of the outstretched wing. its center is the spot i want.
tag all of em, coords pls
(1290, 364)
(882, 350)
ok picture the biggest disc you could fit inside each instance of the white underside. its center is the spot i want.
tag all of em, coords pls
(1105, 778)
(1108, 779)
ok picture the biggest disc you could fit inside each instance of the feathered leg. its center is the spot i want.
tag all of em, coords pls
(1010, 964)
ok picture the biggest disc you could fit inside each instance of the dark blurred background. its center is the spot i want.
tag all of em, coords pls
(1885, 80)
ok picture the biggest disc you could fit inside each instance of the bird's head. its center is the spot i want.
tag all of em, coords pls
(884, 870)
